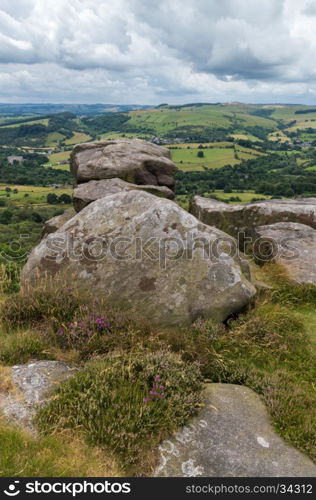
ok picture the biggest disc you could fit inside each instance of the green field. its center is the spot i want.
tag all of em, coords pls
(245, 137)
(54, 139)
(245, 196)
(55, 158)
(163, 120)
(34, 194)
(186, 157)
(278, 136)
(42, 121)
(77, 138)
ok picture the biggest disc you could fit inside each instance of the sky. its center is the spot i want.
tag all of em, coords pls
(158, 51)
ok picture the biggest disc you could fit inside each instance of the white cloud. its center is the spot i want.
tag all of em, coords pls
(140, 51)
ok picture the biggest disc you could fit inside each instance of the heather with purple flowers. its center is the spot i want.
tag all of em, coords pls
(86, 325)
(156, 392)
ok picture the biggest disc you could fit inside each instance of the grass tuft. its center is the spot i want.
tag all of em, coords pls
(146, 397)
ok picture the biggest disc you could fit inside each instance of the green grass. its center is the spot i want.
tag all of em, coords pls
(23, 455)
(187, 159)
(148, 396)
(245, 196)
(77, 138)
(54, 139)
(162, 120)
(278, 136)
(309, 314)
(37, 195)
(22, 346)
(43, 121)
(214, 157)
(246, 137)
(55, 158)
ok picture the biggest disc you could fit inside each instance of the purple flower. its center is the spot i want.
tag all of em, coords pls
(157, 378)
(146, 400)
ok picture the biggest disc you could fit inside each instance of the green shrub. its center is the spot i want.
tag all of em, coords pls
(98, 328)
(127, 403)
(274, 326)
(18, 348)
(9, 277)
(33, 305)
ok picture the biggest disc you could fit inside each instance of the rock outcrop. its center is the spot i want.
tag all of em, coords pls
(93, 190)
(58, 221)
(132, 161)
(244, 218)
(291, 244)
(149, 254)
(32, 385)
(231, 437)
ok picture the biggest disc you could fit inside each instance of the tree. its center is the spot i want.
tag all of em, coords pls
(64, 198)
(52, 199)
(36, 217)
(8, 189)
(6, 216)
(200, 154)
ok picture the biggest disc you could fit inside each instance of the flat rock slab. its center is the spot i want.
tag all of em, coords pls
(244, 217)
(94, 190)
(231, 437)
(32, 385)
(291, 244)
(133, 161)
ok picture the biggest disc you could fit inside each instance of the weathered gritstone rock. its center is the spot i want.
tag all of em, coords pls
(243, 218)
(32, 384)
(133, 161)
(147, 253)
(94, 190)
(231, 437)
(291, 244)
(56, 222)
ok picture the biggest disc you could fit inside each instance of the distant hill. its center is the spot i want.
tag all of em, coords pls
(78, 109)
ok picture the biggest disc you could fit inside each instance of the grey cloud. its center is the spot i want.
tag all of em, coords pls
(114, 50)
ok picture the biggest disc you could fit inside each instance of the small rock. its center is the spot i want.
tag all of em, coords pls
(231, 437)
(33, 384)
(56, 222)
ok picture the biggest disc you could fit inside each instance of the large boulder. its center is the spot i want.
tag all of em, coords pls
(147, 253)
(291, 244)
(93, 190)
(58, 221)
(240, 220)
(31, 385)
(133, 161)
(231, 437)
